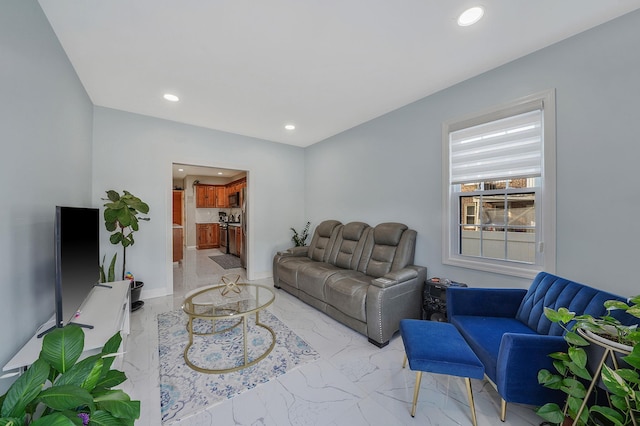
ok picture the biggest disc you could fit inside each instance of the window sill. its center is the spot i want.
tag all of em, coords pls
(497, 267)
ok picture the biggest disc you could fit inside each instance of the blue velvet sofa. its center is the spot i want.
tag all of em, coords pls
(508, 331)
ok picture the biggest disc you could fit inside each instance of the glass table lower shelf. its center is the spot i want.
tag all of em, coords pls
(215, 311)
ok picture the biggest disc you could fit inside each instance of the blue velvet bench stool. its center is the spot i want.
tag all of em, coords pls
(438, 347)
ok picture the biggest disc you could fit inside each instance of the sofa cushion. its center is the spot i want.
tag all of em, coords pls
(312, 277)
(288, 269)
(347, 249)
(323, 239)
(380, 249)
(347, 292)
(484, 335)
(550, 291)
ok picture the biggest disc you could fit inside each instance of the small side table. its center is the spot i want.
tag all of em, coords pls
(609, 352)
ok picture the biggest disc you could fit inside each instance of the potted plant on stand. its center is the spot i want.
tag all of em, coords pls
(617, 341)
(121, 218)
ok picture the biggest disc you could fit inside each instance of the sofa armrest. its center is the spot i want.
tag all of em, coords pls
(390, 300)
(520, 358)
(395, 277)
(487, 302)
(295, 251)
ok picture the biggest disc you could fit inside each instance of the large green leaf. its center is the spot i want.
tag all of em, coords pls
(62, 347)
(85, 373)
(55, 419)
(124, 217)
(116, 238)
(578, 356)
(11, 421)
(113, 344)
(574, 388)
(614, 382)
(113, 195)
(103, 418)
(612, 415)
(633, 359)
(111, 347)
(66, 397)
(25, 389)
(111, 379)
(575, 339)
(551, 412)
(118, 404)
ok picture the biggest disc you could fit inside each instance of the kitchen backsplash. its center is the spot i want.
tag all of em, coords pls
(204, 215)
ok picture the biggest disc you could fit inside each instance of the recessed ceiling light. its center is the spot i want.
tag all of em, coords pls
(181, 170)
(219, 173)
(470, 16)
(290, 127)
(171, 98)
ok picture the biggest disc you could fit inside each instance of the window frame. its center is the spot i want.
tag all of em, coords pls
(545, 202)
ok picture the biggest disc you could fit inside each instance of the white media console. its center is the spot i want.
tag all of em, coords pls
(107, 309)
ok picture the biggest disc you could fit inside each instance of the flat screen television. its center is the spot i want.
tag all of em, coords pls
(77, 260)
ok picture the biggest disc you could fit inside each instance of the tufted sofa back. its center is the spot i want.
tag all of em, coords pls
(323, 240)
(550, 291)
(389, 247)
(347, 249)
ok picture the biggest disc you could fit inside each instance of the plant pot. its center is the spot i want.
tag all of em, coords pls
(136, 291)
(618, 347)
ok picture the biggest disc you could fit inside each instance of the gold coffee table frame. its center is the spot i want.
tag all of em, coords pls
(217, 302)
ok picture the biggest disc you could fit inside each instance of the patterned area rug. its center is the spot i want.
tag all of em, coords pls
(227, 261)
(184, 391)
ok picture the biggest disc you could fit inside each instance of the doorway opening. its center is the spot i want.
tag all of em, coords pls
(209, 223)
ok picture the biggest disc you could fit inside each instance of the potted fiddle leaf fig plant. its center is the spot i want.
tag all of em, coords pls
(121, 218)
(622, 381)
(57, 389)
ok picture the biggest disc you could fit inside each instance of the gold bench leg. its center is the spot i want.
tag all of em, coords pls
(404, 363)
(416, 390)
(472, 406)
(503, 410)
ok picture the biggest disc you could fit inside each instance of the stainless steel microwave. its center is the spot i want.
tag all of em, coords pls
(234, 199)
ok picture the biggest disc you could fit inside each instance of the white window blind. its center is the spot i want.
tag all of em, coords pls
(507, 148)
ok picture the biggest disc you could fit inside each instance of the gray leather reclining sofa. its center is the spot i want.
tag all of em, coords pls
(360, 275)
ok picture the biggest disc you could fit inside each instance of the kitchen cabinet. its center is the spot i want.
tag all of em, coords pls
(211, 196)
(177, 244)
(205, 196)
(177, 207)
(221, 196)
(207, 235)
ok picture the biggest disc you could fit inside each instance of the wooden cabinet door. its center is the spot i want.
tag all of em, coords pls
(201, 195)
(177, 207)
(177, 244)
(211, 196)
(201, 235)
(221, 196)
(215, 235)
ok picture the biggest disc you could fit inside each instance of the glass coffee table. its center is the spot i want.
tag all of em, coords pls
(219, 309)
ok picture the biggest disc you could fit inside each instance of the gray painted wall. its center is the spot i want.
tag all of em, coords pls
(389, 169)
(45, 126)
(135, 153)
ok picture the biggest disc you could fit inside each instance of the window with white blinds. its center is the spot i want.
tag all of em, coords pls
(503, 149)
(499, 188)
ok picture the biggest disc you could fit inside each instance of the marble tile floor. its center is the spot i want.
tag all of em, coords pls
(353, 382)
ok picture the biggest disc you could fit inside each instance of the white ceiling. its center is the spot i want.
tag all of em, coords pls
(250, 67)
